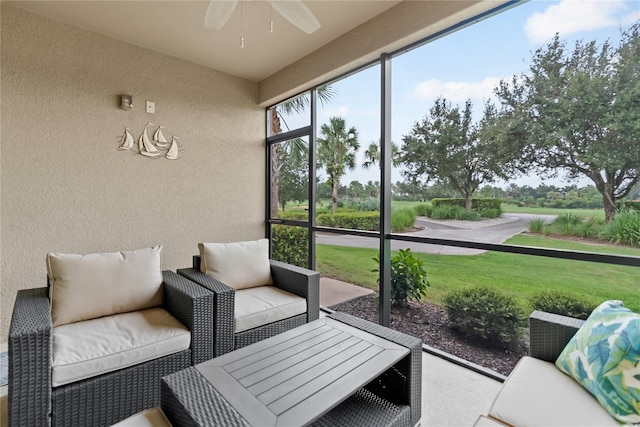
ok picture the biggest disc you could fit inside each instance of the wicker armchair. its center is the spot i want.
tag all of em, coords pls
(104, 399)
(295, 280)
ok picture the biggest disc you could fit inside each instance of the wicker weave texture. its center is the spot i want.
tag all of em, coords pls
(109, 398)
(189, 400)
(549, 334)
(29, 359)
(403, 382)
(366, 409)
(105, 399)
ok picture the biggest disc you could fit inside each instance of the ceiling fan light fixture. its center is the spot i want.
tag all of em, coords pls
(295, 11)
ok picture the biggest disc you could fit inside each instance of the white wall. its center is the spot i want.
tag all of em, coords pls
(65, 186)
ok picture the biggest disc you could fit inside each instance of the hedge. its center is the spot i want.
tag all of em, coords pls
(352, 220)
(476, 204)
(290, 245)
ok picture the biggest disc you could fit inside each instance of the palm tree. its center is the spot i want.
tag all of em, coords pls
(372, 155)
(296, 149)
(336, 152)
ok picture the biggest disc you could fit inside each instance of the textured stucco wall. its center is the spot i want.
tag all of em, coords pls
(66, 187)
(398, 27)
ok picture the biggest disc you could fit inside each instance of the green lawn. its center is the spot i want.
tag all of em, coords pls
(519, 275)
(585, 213)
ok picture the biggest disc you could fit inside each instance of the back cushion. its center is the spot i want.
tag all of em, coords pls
(84, 287)
(240, 265)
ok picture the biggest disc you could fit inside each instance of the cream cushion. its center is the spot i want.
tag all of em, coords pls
(240, 265)
(153, 417)
(84, 287)
(85, 349)
(539, 394)
(263, 305)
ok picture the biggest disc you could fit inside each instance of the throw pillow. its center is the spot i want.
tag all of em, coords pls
(83, 287)
(604, 357)
(240, 265)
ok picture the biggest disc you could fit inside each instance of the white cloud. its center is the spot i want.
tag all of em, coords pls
(573, 16)
(341, 111)
(457, 92)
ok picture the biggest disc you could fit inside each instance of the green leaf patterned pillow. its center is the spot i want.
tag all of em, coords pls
(604, 357)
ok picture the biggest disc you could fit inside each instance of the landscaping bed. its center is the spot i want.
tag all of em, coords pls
(430, 323)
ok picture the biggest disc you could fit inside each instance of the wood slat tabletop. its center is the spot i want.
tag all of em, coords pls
(296, 377)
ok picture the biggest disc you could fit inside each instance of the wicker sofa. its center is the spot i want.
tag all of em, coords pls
(295, 280)
(536, 392)
(104, 399)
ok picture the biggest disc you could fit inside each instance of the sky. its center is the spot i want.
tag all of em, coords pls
(468, 63)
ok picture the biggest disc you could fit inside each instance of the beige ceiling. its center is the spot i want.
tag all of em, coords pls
(177, 28)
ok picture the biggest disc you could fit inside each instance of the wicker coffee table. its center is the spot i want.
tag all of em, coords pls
(335, 369)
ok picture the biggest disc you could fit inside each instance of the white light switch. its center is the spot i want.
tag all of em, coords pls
(151, 107)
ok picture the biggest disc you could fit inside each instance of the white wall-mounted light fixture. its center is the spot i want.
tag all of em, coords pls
(126, 102)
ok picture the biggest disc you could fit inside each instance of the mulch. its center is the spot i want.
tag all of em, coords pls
(430, 323)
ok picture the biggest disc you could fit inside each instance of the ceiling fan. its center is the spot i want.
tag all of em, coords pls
(295, 11)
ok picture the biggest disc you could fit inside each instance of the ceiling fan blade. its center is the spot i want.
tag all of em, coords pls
(296, 12)
(218, 12)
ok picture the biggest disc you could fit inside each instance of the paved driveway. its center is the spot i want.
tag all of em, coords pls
(487, 231)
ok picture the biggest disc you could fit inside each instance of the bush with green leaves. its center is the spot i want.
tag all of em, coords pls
(476, 204)
(402, 219)
(482, 313)
(563, 303)
(351, 220)
(290, 245)
(491, 213)
(408, 277)
(536, 225)
(423, 209)
(445, 211)
(624, 229)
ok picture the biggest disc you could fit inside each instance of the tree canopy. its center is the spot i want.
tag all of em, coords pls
(447, 146)
(577, 111)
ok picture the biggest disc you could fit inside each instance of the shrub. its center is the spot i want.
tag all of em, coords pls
(447, 212)
(482, 313)
(624, 229)
(476, 204)
(290, 245)
(402, 219)
(491, 213)
(563, 303)
(351, 220)
(423, 209)
(536, 225)
(568, 219)
(294, 215)
(408, 277)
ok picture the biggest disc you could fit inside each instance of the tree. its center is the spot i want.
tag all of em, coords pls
(448, 147)
(337, 150)
(372, 155)
(294, 176)
(356, 189)
(578, 112)
(298, 104)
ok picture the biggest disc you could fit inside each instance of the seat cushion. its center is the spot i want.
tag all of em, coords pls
(539, 394)
(153, 417)
(604, 357)
(240, 265)
(94, 347)
(265, 304)
(84, 287)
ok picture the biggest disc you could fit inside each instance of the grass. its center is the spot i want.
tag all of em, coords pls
(583, 213)
(519, 275)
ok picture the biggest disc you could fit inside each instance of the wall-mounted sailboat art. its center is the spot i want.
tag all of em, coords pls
(156, 147)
